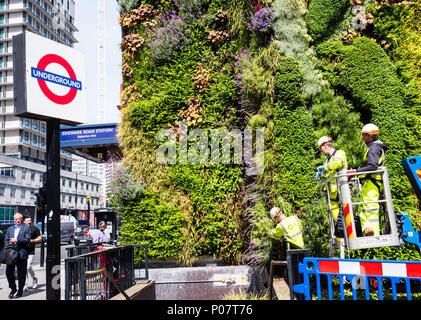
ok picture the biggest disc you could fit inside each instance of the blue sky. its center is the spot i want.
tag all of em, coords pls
(86, 20)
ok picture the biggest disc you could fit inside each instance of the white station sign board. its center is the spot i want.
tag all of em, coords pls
(49, 80)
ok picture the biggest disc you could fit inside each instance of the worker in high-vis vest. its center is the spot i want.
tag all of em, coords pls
(373, 185)
(335, 162)
(288, 227)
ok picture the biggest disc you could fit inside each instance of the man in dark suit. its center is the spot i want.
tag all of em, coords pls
(20, 234)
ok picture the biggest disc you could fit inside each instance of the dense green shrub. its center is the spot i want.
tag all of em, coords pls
(294, 139)
(408, 252)
(294, 153)
(217, 225)
(289, 81)
(335, 117)
(323, 15)
(155, 223)
(316, 229)
(397, 27)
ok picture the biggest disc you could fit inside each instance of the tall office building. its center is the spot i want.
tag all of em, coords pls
(95, 170)
(23, 138)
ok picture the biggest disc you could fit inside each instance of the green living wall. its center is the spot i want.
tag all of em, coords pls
(285, 71)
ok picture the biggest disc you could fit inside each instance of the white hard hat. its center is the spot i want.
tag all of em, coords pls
(322, 140)
(274, 212)
(370, 128)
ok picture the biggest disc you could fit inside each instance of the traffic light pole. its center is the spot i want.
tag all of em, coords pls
(53, 210)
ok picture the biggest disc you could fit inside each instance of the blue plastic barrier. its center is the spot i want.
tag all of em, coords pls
(368, 275)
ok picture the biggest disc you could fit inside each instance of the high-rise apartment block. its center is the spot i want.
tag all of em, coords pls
(23, 138)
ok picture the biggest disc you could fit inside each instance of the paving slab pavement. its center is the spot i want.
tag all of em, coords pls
(40, 293)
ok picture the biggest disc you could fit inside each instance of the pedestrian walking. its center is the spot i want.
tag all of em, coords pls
(36, 237)
(18, 234)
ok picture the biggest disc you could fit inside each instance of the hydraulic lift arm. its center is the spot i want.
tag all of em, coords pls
(412, 168)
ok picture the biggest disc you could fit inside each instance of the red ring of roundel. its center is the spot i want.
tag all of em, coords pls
(42, 65)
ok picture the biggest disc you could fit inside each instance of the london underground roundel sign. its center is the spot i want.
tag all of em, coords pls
(48, 80)
(43, 76)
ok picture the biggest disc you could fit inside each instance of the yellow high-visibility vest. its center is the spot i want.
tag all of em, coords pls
(292, 230)
(333, 164)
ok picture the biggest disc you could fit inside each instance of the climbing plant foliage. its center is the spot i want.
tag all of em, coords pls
(293, 68)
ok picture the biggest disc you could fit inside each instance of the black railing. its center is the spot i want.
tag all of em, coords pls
(81, 249)
(142, 264)
(84, 281)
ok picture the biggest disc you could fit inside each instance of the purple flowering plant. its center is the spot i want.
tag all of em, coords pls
(122, 186)
(261, 20)
(241, 60)
(170, 34)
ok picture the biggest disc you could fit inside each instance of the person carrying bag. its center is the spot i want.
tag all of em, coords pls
(10, 254)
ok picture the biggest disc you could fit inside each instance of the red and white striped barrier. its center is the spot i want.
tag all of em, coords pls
(387, 269)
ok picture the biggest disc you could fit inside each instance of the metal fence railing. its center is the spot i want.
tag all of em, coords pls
(334, 279)
(81, 249)
(142, 264)
(100, 274)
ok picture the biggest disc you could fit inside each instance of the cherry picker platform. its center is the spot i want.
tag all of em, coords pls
(395, 227)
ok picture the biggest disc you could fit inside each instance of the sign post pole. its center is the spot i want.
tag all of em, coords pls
(48, 80)
(53, 210)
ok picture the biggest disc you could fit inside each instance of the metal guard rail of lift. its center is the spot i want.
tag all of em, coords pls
(358, 273)
(346, 204)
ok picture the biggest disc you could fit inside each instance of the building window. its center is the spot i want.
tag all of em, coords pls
(6, 214)
(22, 194)
(8, 172)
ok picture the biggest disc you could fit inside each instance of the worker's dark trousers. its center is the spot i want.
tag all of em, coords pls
(10, 274)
